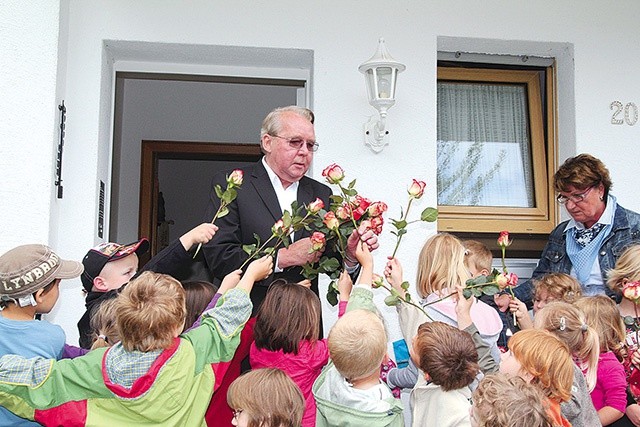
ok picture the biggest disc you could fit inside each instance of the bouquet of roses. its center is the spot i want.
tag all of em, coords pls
(348, 211)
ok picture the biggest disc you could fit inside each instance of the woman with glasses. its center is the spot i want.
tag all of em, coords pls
(588, 245)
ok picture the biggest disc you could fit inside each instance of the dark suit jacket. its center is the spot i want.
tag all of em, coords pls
(255, 210)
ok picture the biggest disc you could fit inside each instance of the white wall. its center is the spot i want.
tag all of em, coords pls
(341, 35)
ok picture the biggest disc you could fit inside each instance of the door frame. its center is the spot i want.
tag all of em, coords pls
(153, 150)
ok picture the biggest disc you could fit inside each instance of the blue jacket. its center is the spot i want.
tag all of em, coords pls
(554, 259)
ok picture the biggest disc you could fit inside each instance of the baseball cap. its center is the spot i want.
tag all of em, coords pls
(95, 260)
(28, 268)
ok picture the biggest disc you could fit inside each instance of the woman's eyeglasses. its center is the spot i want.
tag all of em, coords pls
(575, 198)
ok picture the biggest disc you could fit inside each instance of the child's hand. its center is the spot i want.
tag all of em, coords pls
(363, 255)
(200, 234)
(502, 301)
(230, 281)
(463, 308)
(344, 286)
(260, 268)
(305, 282)
(393, 273)
(522, 314)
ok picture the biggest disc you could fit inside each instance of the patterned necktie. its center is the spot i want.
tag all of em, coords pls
(586, 235)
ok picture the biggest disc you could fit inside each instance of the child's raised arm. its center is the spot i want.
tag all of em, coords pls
(199, 234)
(259, 269)
(393, 274)
(345, 285)
(522, 314)
(364, 257)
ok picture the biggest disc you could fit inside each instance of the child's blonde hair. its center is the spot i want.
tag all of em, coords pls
(627, 269)
(288, 315)
(441, 265)
(357, 344)
(447, 354)
(477, 256)
(501, 401)
(559, 286)
(103, 323)
(547, 359)
(149, 311)
(569, 324)
(603, 315)
(269, 397)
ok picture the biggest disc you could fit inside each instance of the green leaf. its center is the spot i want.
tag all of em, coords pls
(224, 211)
(429, 215)
(219, 191)
(399, 224)
(405, 285)
(350, 192)
(467, 293)
(352, 184)
(249, 249)
(391, 300)
(407, 297)
(477, 292)
(229, 195)
(490, 290)
(332, 297)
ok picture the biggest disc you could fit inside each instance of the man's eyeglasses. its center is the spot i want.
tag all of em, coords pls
(575, 198)
(297, 143)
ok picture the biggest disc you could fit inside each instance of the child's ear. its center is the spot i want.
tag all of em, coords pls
(37, 295)
(484, 272)
(99, 284)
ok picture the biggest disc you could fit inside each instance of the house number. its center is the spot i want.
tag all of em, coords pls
(629, 112)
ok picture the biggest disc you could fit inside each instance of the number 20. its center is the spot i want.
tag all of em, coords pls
(630, 113)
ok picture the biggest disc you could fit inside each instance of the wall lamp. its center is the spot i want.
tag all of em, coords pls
(380, 74)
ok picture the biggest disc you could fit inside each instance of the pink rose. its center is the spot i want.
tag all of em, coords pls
(360, 206)
(506, 279)
(416, 189)
(512, 279)
(331, 221)
(315, 206)
(376, 224)
(343, 212)
(377, 208)
(631, 291)
(333, 173)
(503, 239)
(235, 178)
(278, 227)
(317, 241)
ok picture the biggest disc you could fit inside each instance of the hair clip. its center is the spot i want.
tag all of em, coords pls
(563, 323)
(102, 337)
(584, 327)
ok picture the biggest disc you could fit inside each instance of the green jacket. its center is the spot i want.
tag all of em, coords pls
(174, 391)
(338, 409)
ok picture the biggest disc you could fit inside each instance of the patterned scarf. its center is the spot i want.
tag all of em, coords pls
(583, 247)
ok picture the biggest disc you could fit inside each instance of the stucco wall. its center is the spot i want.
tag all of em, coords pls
(341, 35)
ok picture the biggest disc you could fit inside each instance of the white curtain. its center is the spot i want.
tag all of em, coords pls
(484, 153)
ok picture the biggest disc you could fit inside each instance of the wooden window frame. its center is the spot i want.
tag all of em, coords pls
(541, 218)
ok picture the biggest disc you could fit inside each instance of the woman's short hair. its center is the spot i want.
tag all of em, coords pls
(447, 354)
(627, 269)
(289, 314)
(268, 397)
(357, 344)
(149, 311)
(441, 265)
(271, 124)
(501, 401)
(559, 286)
(582, 171)
(547, 359)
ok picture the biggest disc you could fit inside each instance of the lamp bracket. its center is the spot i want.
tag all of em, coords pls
(375, 134)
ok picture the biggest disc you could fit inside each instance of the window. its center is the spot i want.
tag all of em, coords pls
(496, 146)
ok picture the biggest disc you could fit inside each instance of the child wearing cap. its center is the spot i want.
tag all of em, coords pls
(29, 280)
(110, 266)
(153, 376)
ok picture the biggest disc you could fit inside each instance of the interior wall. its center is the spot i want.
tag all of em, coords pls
(182, 111)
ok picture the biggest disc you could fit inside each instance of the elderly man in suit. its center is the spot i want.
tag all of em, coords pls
(288, 142)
